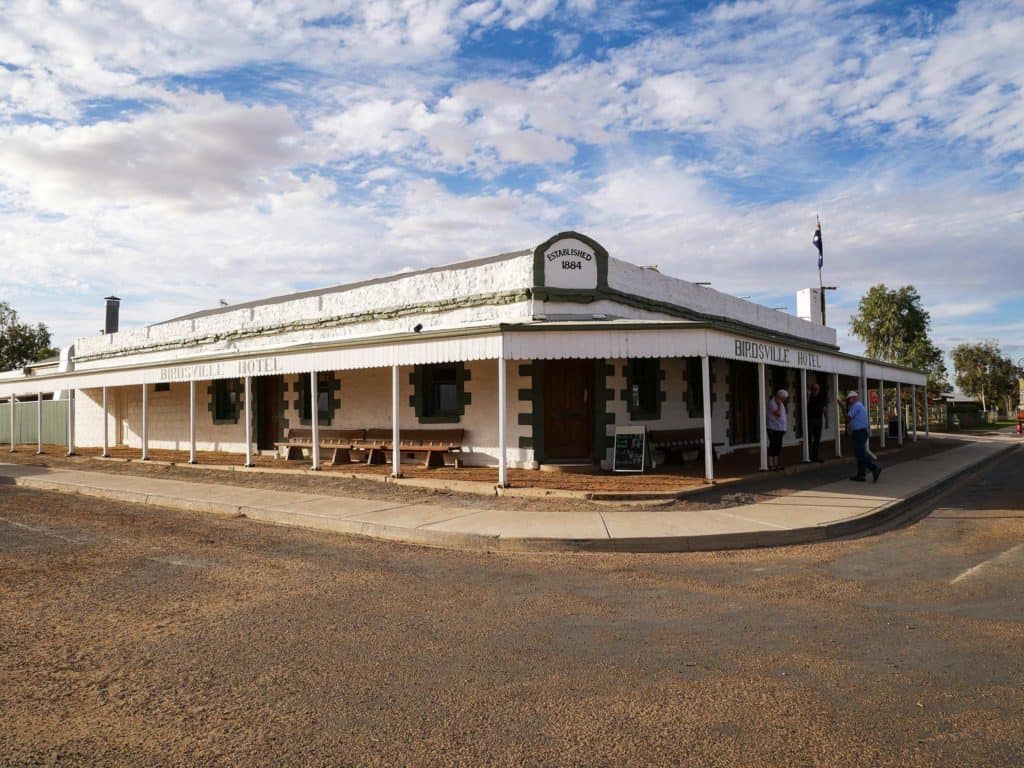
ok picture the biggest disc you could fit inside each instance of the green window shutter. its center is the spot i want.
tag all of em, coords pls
(439, 392)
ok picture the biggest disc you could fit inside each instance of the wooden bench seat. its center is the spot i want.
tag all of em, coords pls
(435, 443)
(680, 440)
(339, 441)
(376, 443)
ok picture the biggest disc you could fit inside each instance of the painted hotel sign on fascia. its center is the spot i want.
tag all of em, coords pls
(570, 263)
(259, 366)
(751, 350)
(773, 354)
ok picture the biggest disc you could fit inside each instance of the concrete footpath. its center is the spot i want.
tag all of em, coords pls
(826, 512)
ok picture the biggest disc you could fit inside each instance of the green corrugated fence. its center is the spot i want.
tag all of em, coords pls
(55, 423)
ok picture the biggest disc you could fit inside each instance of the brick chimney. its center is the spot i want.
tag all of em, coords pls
(113, 311)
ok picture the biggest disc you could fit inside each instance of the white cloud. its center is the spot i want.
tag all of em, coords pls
(205, 152)
(72, 50)
(955, 309)
(375, 126)
(30, 90)
(484, 124)
(566, 43)
(434, 225)
(165, 260)
(682, 100)
(523, 12)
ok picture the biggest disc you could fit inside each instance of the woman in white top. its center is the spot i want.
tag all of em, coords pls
(777, 427)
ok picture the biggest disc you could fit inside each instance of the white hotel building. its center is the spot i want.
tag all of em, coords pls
(538, 355)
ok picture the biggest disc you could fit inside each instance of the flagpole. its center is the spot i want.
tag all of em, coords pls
(821, 285)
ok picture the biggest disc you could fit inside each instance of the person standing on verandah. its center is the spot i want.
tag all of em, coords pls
(857, 423)
(777, 427)
(815, 418)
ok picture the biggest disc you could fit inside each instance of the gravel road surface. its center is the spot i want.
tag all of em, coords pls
(142, 637)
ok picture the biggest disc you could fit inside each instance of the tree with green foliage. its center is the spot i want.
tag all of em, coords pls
(20, 343)
(983, 372)
(894, 327)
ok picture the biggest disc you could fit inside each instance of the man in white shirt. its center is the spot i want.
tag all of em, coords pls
(778, 425)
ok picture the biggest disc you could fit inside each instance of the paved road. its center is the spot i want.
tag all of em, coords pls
(134, 636)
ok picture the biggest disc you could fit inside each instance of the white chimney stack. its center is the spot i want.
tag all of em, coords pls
(808, 305)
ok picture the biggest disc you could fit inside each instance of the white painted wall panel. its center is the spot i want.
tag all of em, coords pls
(633, 279)
(168, 420)
(401, 293)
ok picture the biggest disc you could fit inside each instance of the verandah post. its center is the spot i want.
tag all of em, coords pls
(502, 416)
(396, 442)
(71, 422)
(145, 422)
(913, 408)
(248, 421)
(192, 422)
(14, 403)
(106, 429)
(39, 422)
(865, 396)
(762, 410)
(839, 415)
(314, 421)
(709, 448)
(899, 413)
(881, 412)
(803, 416)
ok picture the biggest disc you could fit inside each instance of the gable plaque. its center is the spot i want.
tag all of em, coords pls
(571, 261)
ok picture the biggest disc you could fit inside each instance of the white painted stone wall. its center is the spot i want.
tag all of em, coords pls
(394, 304)
(674, 411)
(275, 320)
(630, 278)
(365, 402)
(365, 397)
(482, 414)
(89, 417)
(168, 420)
(461, 318)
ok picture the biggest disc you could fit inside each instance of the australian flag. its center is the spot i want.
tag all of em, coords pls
(819, 245)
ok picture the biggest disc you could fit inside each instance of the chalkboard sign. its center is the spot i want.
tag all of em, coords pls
(630, 449)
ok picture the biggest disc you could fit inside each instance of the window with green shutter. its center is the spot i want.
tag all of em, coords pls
(439, 392)
(643, 388)
(323, 399)
(225, 401)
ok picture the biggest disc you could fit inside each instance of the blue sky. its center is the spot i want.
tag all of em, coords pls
(177, 153)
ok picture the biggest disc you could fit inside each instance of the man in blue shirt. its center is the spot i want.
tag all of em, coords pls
(857, 423)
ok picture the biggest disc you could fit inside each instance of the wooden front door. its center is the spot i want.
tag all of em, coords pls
(269, 392)
(744, 408)
(568, 409)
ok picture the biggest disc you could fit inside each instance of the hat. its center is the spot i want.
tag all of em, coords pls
(782, 393)
(851, 393)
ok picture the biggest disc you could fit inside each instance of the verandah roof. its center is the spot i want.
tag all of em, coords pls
(614, 339)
